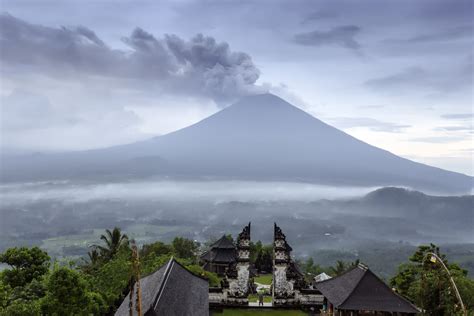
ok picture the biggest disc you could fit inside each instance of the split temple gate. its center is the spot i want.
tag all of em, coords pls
(356, 292)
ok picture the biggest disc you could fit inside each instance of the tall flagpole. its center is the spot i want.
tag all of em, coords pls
(435, 258)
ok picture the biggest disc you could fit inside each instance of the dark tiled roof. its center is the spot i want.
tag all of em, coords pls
(338, 289)
(219, 256)
(171, 290)
(206, 256)
(223, 243)
(360, 289)
(222, 251)
(184, 295)
(149, 286)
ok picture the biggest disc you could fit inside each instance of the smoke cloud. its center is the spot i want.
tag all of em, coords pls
(200, 66)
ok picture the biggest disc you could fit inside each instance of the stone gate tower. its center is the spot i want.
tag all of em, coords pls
(287, 279)
(238, 275)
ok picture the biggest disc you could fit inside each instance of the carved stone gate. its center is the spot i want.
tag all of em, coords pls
(235, 287)
(289, 288)
(287, 278)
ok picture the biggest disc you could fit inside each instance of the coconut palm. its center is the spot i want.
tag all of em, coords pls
(94, 255)
(114, 240)
(339, 268)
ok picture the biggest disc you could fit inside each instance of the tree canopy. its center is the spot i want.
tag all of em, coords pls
(27, 264)
(425, 282)
(114, 240)
(97, 286)
(68, 293)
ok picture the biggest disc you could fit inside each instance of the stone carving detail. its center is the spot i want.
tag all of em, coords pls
(287, 279)
(244, 237)
(238, 287)
(231, 272)
(238, 274)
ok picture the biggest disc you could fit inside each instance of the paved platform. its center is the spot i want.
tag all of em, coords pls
(265, 305)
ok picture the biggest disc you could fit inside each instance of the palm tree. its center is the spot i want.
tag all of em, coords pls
(94, 255)
(93, 260)
(114, 240)
(339, 268)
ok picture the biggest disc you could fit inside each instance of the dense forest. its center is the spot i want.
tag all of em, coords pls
(33, 284)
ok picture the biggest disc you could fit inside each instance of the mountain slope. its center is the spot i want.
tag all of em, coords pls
(262, 137)
(443, 217)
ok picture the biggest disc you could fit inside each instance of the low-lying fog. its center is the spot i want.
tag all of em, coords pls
(328, 223)
(172, 190)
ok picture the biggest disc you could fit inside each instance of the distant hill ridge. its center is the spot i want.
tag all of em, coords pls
(261, 137)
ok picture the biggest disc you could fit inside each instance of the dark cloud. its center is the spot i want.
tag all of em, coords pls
(465, 31)
(339, 36)
(200, 66)
(458, 116)
(221, 71)
(370, 123)
(442, 10)
(421, 79)
(54, 49)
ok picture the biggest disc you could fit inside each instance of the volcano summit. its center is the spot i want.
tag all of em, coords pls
(261, 137)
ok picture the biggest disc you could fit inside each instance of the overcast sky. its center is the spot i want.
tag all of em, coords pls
(87, 74)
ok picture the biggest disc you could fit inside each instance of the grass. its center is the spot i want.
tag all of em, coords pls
(264, 279)
(245, 312)
(54, 245)
(142, 233)
(254, 298)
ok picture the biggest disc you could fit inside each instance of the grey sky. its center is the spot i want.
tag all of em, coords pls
(396, 74)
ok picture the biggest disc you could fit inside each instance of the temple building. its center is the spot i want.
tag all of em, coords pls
(221, 255)
(360, 292)
(172, 290)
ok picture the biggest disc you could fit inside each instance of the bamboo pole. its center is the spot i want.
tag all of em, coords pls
(458, 296)
(136, 278)
(130, 303)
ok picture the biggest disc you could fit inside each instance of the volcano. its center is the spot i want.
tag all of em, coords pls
(261, 137)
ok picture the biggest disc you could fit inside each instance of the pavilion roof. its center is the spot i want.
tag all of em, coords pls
(218, 255)
(223, 243)
(360, 289)
(160, 289)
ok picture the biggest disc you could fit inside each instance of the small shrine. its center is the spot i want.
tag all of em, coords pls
(221, 255)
